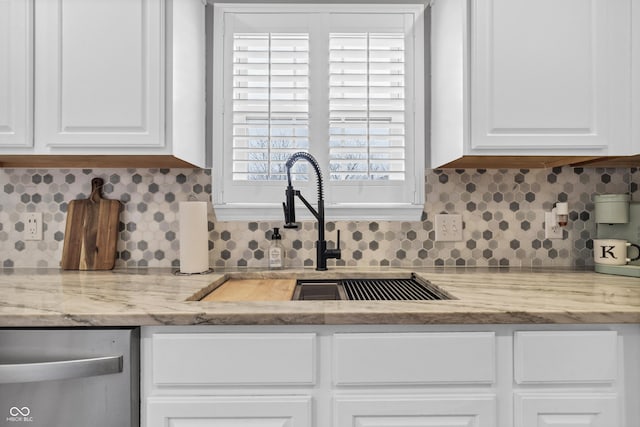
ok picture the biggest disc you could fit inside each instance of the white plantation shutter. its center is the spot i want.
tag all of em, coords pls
(342, 82)
(270, 103)
(367, 106)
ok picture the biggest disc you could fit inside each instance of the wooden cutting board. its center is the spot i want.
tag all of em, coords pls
(91, 233)
(253, 290)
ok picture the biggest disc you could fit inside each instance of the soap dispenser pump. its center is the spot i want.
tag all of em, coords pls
(276, 251)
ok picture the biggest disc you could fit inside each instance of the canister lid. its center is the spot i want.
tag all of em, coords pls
(611, 198)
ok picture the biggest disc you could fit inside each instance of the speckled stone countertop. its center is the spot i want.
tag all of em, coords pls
(47, 298)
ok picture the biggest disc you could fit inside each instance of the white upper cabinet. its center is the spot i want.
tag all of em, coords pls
(635, 66)
(16, 71)
(100, 73)
(530, 78)
(121, 79)
(550, 74)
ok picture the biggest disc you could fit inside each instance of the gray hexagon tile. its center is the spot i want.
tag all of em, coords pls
(502, 211)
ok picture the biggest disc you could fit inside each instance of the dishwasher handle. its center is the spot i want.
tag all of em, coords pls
(60, 370)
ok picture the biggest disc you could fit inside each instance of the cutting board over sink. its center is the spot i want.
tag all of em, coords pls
(91, 233)
(253, 290)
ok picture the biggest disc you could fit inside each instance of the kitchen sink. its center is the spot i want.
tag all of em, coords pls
(401, 289)
(306, 290)
(320, 287)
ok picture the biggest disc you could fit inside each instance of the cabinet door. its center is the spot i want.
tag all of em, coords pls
(100, 74)
(635, 66)
(414, 358)
(16, 52)
(564, 357)
(560, 410)
(425, 411)
(255, 411)
(550, 76)
(228, 359)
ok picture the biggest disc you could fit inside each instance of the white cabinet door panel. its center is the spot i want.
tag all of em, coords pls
(635, 67)
(415, 411)
(240, 411)
(16, 72)
(565, 357)
(420, 358)
(234, 359)
(550, 74)
(562, 410)
(100, 73)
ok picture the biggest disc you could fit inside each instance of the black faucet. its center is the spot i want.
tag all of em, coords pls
(322, 253)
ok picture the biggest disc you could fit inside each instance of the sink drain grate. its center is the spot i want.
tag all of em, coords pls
(391, 290)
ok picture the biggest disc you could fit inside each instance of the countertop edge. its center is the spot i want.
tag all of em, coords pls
(156, 297)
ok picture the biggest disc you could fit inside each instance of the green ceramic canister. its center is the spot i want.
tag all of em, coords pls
(612, 208)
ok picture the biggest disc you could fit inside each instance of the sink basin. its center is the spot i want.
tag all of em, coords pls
(403, 289)
(368, 287)
(306, 290)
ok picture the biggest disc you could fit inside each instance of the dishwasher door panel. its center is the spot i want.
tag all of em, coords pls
(69, 377)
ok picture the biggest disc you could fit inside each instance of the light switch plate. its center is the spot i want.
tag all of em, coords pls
(448, 228)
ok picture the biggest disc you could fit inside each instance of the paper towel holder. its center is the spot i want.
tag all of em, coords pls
(193, 235)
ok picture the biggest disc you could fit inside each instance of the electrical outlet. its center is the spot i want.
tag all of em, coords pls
(448, 228)
(33, 226)
(551, 228)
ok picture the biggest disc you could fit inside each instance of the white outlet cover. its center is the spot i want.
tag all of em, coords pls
(32, 226)
(551, 230)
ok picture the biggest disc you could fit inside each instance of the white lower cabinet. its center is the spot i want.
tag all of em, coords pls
(391, 376)
(414, 358)
(566, 357)
(236, 411)
(415, 410)
(568, 378)
(218, 359)
(429, 360)
(566, 409)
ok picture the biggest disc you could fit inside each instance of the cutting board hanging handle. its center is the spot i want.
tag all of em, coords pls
(96, 189)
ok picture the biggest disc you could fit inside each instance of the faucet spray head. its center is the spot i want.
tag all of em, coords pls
(289, 208)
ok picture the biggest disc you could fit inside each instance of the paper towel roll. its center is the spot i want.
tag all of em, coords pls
(194, 237)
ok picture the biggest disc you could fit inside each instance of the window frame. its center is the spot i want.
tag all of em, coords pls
(409, 209)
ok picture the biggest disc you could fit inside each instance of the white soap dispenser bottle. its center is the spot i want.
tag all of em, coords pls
(276, 251)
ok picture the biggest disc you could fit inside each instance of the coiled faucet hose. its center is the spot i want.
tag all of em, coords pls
(312, 160)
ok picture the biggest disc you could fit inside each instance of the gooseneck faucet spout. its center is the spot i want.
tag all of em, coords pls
(322, 253)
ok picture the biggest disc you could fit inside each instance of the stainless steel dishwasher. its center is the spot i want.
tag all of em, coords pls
(76, 377)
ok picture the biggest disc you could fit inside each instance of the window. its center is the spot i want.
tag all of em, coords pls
(270, 103)
(342, 82)
(366, 106)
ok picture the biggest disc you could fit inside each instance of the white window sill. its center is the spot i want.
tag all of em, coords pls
(341, 212)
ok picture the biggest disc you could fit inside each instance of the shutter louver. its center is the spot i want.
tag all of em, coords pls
(270, 104)
(367, 106)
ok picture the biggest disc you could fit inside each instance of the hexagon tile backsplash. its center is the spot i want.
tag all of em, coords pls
(502, 210)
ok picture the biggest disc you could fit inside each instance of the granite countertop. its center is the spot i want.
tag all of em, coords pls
(47, 298)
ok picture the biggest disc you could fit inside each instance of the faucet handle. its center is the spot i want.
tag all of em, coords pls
(334, 253)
